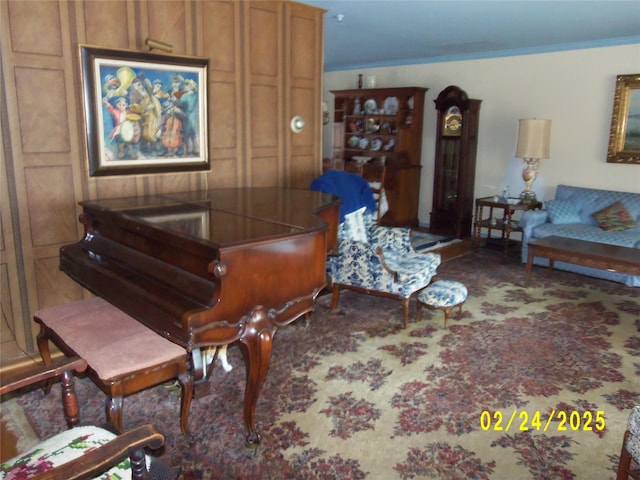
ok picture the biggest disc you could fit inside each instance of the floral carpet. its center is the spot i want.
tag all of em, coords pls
(525, 383)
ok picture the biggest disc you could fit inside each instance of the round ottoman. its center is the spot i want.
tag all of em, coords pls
(442, 295)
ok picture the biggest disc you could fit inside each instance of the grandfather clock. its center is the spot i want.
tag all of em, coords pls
(455, 163)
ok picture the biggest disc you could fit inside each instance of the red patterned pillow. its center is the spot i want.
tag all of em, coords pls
(614, 218)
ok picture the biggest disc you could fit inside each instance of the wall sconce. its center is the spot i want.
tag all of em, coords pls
(158, 45)
(534, 138)
(297, 124)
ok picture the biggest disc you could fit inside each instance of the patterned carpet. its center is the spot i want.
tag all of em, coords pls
(355, 396)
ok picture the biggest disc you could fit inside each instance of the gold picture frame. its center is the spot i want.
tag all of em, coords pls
(624, 138)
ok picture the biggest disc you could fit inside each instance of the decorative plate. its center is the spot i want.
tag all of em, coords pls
(354, 141)
(390, 144)
(364, 143)
(391, 106)
(370, 106)
(376, 144)
(372, 126)
(360, 159)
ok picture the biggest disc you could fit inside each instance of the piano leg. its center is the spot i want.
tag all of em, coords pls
(256, 344)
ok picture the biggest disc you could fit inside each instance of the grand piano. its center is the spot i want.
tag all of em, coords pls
(210, 268)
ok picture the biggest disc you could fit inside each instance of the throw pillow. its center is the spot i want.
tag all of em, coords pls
(614, 218)
(562, 211)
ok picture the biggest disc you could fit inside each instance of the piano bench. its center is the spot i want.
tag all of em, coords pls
(123, 355)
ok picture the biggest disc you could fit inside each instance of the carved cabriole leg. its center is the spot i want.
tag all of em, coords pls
(43, 347)
(256, 344)
(186, 384)
(113, 411)
(69, 400)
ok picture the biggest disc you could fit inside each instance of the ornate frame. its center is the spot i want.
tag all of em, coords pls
(144, 112)
(624, 138)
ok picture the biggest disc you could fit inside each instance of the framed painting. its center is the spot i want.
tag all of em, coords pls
(624, 138)
(144, 112)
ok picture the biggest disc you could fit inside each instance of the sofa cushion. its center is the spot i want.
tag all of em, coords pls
(614, 218)
(562, 212)
(591, 200)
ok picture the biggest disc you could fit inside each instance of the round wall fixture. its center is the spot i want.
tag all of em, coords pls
(297, 124)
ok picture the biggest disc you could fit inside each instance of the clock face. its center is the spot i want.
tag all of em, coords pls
(452, 124)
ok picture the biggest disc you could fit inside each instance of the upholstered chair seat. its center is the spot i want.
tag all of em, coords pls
(379, 260)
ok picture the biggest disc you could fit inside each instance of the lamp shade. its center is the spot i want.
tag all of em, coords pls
(534, 137)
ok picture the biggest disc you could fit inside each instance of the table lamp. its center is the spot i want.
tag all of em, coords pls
(533, 144)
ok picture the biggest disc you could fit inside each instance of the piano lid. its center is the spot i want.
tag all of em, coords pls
(222, 217)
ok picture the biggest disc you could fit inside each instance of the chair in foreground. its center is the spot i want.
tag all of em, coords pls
(629, 466)
(82, 452)
(379, 261)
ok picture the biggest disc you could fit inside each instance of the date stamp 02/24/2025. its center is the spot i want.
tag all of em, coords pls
(523, 421)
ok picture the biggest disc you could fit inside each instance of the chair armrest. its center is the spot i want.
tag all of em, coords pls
(58, 367)
(385, 265)
(531, 219)
(100, 459)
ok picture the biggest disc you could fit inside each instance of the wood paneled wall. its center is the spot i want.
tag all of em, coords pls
(265, 66)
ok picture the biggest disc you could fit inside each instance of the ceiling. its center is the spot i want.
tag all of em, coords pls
(375, 33)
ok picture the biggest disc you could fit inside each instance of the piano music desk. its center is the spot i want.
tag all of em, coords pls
(123, 356)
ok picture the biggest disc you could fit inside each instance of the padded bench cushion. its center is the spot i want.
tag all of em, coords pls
(112, 342)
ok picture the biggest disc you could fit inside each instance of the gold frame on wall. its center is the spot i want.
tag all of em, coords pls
(624, 138)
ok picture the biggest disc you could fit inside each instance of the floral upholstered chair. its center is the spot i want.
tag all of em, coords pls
(629, 466)
(378, 260)
(82, 451)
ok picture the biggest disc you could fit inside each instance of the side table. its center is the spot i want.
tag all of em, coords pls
(504, 223)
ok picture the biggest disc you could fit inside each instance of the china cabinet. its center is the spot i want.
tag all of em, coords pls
(455, 163)
(384, 126)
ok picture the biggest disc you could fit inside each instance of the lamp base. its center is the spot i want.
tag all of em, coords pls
(529, 174)
(528, 196)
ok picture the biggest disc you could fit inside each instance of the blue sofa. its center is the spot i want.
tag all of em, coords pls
(570, 214)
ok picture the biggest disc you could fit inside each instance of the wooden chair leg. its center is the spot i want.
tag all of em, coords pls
(447, 312)
(138, 464)
(43, 348)
(113, 411)
(186, 384)
(335, 296)
(405, 312)
(625, 459)
(69, 400)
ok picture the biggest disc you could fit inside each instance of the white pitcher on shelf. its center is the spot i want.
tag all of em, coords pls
(357, 109)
